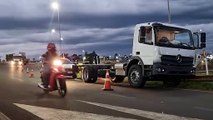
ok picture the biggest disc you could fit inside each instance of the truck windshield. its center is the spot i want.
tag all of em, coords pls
(174, 37)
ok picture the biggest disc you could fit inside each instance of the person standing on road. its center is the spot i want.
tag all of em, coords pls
(47, 60)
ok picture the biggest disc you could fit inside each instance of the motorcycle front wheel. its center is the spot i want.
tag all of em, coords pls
(63, 88)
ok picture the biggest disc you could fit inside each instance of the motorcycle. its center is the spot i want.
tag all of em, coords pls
(57, 79)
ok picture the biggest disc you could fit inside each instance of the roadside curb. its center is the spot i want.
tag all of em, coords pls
(3, 116)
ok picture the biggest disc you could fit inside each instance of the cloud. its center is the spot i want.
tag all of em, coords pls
(25, 9)
(105, 26)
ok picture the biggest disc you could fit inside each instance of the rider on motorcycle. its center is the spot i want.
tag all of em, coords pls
(48, 58)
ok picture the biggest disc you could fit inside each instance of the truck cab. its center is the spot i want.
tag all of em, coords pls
(161, 51)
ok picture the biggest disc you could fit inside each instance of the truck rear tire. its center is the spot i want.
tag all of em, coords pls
(89, 75)
(118, 79)
(135, 76)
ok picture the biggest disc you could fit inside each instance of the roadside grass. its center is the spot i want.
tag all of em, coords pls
(153, 84)
(184, 85)
(196, 85)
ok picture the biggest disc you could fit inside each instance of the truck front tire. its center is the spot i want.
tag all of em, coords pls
(135, 76)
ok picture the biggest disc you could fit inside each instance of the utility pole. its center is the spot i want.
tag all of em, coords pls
(169, 12)
(55, 6)
(206, 62)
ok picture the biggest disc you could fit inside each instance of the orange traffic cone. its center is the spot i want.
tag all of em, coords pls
(107, 83)
(31, 74)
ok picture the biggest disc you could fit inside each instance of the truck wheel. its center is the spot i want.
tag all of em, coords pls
(118, 79)
(135, 76)
(95, 75)
(89, 75)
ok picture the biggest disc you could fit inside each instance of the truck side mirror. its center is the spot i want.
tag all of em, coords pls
(142, 34)
(203, 45)
(203, 37)
(203, 40)
(199, 40)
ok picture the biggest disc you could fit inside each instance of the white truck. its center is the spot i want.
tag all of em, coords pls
(160, 52)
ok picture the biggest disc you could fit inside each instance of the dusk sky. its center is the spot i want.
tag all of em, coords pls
(105, 26)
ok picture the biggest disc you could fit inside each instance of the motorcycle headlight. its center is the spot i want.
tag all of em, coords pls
(57, 62)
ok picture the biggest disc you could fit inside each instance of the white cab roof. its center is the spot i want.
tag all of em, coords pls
(165, 24)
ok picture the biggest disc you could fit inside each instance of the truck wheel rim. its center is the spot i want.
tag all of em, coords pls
(135, 76)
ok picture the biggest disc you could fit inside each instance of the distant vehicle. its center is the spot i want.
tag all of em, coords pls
(19, 60)
(69, 67)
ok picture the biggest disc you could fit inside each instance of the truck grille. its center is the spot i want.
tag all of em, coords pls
(176, 60)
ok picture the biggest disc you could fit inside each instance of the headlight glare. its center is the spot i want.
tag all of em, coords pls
(57, 62)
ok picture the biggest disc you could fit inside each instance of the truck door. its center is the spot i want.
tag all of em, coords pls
(144, 46)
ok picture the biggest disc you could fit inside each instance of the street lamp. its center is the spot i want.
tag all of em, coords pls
(53, 31)
(62, 39)
(55, 5)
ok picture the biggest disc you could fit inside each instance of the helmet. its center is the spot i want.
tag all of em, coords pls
(51, 46)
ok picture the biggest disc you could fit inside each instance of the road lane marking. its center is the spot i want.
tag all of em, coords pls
(58, 114)
(141, 113)
(3, 116)
(194, 90)
(118, 95)
(204, 109)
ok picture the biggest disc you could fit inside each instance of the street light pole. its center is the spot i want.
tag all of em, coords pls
(55, 6)
(169, 12)
(59, 31)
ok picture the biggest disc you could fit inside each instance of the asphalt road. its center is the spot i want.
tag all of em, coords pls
(21, 99)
